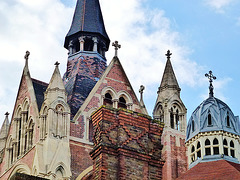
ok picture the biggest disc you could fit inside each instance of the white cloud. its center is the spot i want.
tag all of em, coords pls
(41, 25)
(218, 5)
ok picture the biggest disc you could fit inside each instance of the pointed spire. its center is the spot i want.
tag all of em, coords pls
(169, 79)
(87, 19)
(56, 80)
(5, 127)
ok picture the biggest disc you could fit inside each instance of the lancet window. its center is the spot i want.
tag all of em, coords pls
(207, 147)
(215, 146)
(225, 147)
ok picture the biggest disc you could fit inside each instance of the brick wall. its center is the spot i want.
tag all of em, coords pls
(126, 145)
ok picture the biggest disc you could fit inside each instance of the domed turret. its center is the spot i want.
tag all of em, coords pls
(213, 131)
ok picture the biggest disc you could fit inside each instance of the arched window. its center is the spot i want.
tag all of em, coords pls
(232, 150)
(228, 120)
(30, 134)
(108, 100)
(215, 146)
(59, 172)
(172, 119)
(177, 120)
(90, 132)
(207, 147)
(225, 147)
(122, 103)
(193, 126)
(209, 119)
(192, 154)
(198, 150)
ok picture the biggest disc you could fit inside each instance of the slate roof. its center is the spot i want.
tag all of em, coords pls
(218, 110)
(87, 18)
(39, 88)
(220, 170)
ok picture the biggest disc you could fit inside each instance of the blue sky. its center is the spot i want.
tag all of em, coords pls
(202, 35)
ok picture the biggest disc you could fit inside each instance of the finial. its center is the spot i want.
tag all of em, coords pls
(211, 77)
(168, 54)
(141, 91)
(56, 63)
(7, 113)
(26, 56)
(117, 46)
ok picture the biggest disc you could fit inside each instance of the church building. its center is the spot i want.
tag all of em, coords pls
(89, 124)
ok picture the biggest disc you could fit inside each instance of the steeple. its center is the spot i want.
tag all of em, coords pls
(169, 80)
(87, 29)
(87, 42)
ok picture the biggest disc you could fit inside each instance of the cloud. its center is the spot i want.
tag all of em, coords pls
(218, 5)
(38, 26)
(41, 25)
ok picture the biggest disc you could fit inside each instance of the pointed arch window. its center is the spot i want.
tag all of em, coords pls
(209, 119)
(225, 147)
(228, 120)
(207, 147)
(215, 146)
(122, 103)
(193, 126)
(198, 150)
(108, 100)
(90, 132)
(30, 134)
(172, 119)
(177, 120)
(232, 150)
(192, 154)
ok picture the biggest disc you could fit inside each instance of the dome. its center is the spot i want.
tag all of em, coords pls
(212, 115)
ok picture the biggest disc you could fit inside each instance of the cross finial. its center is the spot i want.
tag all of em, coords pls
(26, 56)
(56, 63)
(211, 77)
(168, 54)
(141, 89)
(117, 46)
(7, 113)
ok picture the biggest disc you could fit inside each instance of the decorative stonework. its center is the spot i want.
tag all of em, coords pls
(130, 141)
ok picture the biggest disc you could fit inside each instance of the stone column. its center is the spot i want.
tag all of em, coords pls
(81, 40)
(70, 48)
(95, 46)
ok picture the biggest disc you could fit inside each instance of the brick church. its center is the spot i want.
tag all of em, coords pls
(89, 124)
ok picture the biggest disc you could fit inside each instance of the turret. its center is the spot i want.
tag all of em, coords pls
(87, 42)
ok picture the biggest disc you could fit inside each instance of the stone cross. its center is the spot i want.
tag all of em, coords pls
(27, 56)
(211, 77)
(117, 46)
(7, 113)
(56, 63)
(141, 91)
(168, 54)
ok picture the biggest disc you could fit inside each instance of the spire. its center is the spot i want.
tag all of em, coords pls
(4, 131)
(169, 79)
(56, 83)
(87, 20)
(211, 77)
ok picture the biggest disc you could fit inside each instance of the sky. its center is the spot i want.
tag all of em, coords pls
(202, 35)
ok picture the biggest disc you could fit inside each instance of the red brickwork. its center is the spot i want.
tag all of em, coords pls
(220, 170)
(80, 158)
(126, 145)
(174, 154)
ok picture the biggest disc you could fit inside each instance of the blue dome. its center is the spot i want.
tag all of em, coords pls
(212, 115)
